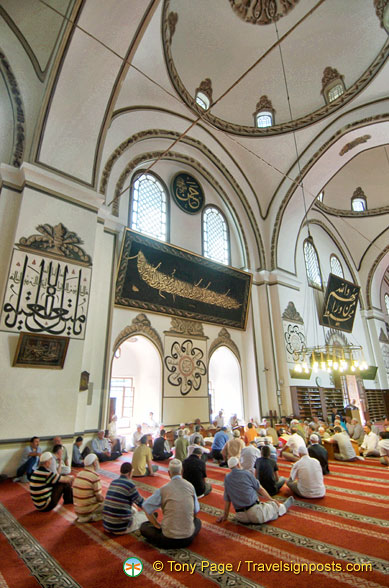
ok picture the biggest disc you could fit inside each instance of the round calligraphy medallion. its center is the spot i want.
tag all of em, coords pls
(187, 193)
(185, 365)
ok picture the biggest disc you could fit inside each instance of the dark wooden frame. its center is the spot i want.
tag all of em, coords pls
(24, 354)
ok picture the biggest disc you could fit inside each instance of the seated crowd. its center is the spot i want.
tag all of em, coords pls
(250, 452)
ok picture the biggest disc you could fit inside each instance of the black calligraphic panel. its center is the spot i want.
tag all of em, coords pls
(187, 193)
(162, 278)
(340, 304)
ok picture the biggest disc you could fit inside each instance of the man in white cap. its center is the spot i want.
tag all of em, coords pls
(87, 493)
(290, 450)
(243, 490)
(46, 487)
(306, 477)
(319, 452)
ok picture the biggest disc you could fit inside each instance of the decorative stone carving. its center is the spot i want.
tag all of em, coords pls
(224, 339)
(359, 193)
(18, 109)
(291, 314)
(354, 143)
(57, 241)
(140, 326)
(380, 8)
(383, 337)
(186, 327)
(330, 74)
(206, 88)
(262, 12)
(172, 21)
(264, 104)
(294, 342)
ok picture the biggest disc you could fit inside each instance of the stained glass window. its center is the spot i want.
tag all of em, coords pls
(312, 264)
(149, 206)
(336, 266)
(215, 236)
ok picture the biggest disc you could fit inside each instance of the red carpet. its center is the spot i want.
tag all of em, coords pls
(345, 529)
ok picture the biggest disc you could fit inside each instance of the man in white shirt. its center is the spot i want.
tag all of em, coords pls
(369, 447)
(220, 420)
(290, 451)
(383, 446)
(346, 450)
(306, 476)
(197, 445)
(137, 436)
(249, 456)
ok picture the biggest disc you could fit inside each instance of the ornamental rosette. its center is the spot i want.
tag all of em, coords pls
(185, 366)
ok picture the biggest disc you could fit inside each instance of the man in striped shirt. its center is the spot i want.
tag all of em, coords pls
(46, 487)
(87, 492)
(119, 514)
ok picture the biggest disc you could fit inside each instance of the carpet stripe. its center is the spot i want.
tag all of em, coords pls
(283, 555)
(180, 555)
(41, 564)
(295, 539)
(349, 528)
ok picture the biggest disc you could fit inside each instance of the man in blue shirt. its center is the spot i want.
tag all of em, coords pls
(29, 460)
(243, 490)
(219, 440)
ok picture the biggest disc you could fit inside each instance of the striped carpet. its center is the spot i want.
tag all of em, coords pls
(342, 539)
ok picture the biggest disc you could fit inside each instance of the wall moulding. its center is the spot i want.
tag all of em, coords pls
(224, 340)
(140, 326)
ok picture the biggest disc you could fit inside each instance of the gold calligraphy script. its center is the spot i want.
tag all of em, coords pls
(341, 303)
(187, 191)
(172, 285)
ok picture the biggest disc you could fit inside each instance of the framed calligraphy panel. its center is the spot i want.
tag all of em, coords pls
(41, 351)
(187, 193)
(46, 295)
(159, 277)
(340, 304)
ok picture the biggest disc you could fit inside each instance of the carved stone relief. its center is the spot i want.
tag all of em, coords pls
(140, 326)
(224, 339)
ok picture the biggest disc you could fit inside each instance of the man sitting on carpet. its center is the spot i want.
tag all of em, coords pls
(57, 463)
(319, 452)
(219, 440)
(58, 441)
(195, 472)
(29, 460)
(197, 445)
(266, 470)
(179, 504)
(243, 491)
(369, 447)
(161, 447)
(181, 446)
(290, 450)
(119, 514)
(47, 488)
(77, 456)
(233, 447)
(383, 446)
(346, 450)
(136, 437)
(309, 482)
(141, 459)
(87, 493)
(102, 448)
(249, 456)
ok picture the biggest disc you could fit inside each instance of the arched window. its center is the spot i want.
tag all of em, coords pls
(149, 206)
(312, 264)
(336, 266)
(358, 200)
(386, 297)
(215, 236)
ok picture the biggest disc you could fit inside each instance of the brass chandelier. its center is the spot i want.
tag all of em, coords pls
(346, 359)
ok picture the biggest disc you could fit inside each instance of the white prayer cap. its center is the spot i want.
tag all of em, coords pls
(303, 450)
(45, 456)
(90, 458)
(314, 438)
(233, 462)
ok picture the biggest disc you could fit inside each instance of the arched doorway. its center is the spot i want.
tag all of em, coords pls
(136, 383)
(225, 383)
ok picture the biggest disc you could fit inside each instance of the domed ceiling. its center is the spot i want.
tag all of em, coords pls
(249, 48)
